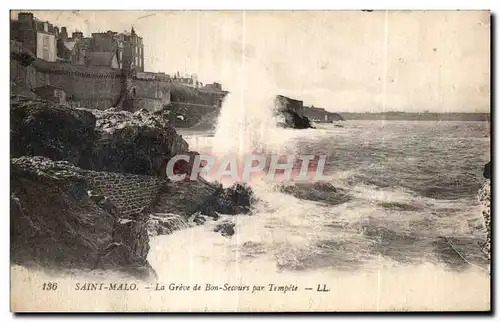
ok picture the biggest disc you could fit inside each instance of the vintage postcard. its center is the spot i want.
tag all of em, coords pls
(250, 161)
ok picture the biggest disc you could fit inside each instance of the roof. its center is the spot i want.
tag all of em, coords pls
(101, 58)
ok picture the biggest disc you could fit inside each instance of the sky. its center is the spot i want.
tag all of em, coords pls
(345, 61)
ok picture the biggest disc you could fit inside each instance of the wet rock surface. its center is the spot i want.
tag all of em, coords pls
(321, 192)
(116, 141)
(138, 143)
(291, 119)
(88, 187)
(225, 228)
(484, 198)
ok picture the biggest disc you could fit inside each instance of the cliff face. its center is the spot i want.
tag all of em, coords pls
(321, 115)
(137, 143)
(46, 129)
(194, 108)
(56, 224)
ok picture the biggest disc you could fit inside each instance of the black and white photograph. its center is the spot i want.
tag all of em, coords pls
(250, 160)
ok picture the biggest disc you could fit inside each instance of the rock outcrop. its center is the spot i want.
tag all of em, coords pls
(289, 113)
(89, 187)
(226, 228)
(484, 198)
(291, 119)
(183, 203)
(56, 224)
(114, 141)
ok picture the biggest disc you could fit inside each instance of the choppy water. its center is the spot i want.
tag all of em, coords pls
(413, 209)
(413, 188)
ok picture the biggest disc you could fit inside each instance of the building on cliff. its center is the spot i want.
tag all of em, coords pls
(44, 41)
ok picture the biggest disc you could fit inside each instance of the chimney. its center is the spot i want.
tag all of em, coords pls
(25, 16)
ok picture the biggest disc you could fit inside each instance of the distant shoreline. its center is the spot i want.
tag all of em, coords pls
(403, 116)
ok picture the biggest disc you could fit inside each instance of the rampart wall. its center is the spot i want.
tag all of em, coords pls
(98, 87)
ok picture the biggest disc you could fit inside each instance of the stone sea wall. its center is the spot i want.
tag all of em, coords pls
(131, 194)
(88, 187)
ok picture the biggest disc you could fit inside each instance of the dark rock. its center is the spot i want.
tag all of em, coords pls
(164, 224)
(226, 228)
(318, 191)
(209, 199)
(113, 141)
(138, 143)
(287, 113)
(236, 199)
(293, 120)
(487, 170)
(199, 220)
(56, 225)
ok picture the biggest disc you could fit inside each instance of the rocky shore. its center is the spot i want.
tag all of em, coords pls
(88, 188)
